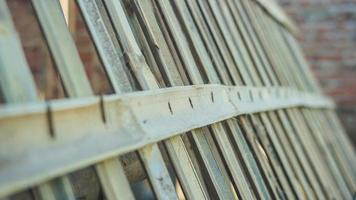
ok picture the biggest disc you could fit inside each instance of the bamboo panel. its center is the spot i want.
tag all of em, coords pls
(265, 133)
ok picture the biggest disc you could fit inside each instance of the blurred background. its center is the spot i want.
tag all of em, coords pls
(327, 36)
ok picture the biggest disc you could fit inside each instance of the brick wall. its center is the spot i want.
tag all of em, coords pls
(328, 38)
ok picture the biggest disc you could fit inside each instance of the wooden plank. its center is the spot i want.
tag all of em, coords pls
(182, 44)
(310, 84)
(325, 136)
(267, 44)
(219, 37)
(262, 130)
(295, 51)
(189, 179)
(337, 147)
(265, 142)
(256, 173)
(282, 59)
(285, 121)
(296, 82)
(300, 61)
(226, 37)
(153, 61)
(300, 82)
(130, 48)
(62, 47)
(75, 82)
(234, 165)
(300, 182)
(154, 34)
(260, 58)
(16, 82)
(260, 189)
(202, 58)
(231, 26)
(297, 147)
(59, 188)
(317, 164)
(115, 183)
(261, 157)
(207, 154)
(320, 138)
(340, 137)
(278, 14)
(106, 44)
(336, 150)
(220, 63)
(272, 58)
(17, 85)
(218, 131)
(110, 53)
(293, 83)
(258, 61)
(182, 75)
(151, 156)
(301, 177)
(214, 171)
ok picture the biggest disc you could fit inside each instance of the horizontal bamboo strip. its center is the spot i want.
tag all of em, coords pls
(116, 124)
